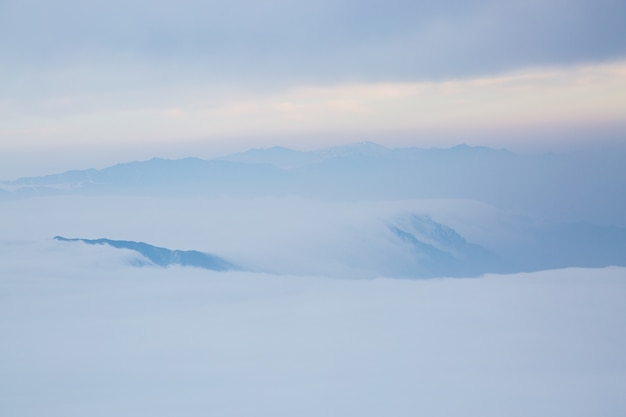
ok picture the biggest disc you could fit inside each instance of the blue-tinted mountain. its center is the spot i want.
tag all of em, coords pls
(436, 250)
(162, 257)
(286, 158)
(556, 187)
(157, 176)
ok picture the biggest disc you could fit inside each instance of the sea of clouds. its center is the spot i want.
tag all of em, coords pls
(315, 330)
(327, 312)
(83, 337)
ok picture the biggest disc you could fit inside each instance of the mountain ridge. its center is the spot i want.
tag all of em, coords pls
(544, 186)
(358, 148)
(160, 256)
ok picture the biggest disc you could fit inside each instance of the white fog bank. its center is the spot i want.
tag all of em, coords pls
(117, 341)
(304, 236)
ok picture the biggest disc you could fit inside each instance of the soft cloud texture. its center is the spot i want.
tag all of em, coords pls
(85, 334)
(305, 236)
(80, 338)
(324, 40)
(124, 72)
(542, 98)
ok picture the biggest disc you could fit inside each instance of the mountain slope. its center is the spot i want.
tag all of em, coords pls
(161, 256)
(179, 176)
(438, 250)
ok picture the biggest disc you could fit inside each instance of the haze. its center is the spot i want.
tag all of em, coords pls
(94, 84)
(331, 208)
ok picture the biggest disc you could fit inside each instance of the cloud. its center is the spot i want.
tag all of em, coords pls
(101, 342)
(580, 96)
(309, 236)
(122, 72)
(43, 257)
(125, 44)
(84, 334)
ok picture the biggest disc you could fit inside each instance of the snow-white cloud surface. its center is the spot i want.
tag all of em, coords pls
(118, 341)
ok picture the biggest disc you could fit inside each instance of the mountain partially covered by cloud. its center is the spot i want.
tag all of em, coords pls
(294, 281)
(438, 250)
(413, 246)
(546, 186)
(163, 257)
(157, 176)
(359, 210)
(404, 239)
(81, 338)
(120, 78)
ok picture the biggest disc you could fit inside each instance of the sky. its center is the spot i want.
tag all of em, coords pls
(92, 82)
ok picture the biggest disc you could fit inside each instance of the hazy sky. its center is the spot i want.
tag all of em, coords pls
(124, 75)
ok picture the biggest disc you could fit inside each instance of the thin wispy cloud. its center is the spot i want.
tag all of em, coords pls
(126, 73)
(339, 299)
(79, 340)
(574, 97)
(326, 40)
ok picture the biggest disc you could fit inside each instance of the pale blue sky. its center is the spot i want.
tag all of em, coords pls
(81, 77)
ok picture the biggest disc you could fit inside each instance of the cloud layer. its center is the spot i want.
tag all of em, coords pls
(112, 341)
(325, 40)
(136, 72)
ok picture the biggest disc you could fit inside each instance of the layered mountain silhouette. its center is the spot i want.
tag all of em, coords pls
(562, 187)
(162, 257)
(567, 219)
(156, 176)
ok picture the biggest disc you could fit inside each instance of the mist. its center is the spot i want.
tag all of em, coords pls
(84, 334)
(294, 208)
(349, 280)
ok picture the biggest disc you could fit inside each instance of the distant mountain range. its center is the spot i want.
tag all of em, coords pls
(552, 186)
(286, 158)
(189, 175)
(564, 210)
